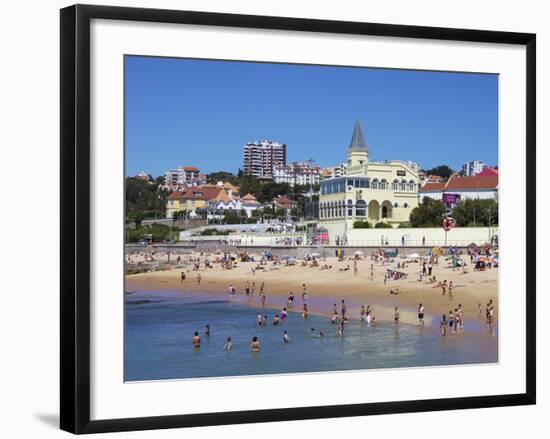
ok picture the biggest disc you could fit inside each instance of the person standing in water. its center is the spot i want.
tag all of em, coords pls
(255, 345)
(182, 278)
(443, 325)
(207, 330)
(196, 340)
(421, 315)
(396, 316)
(461, 315)
(340, 330)
(343, 310)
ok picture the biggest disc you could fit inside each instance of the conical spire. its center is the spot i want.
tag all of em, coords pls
(358, 142)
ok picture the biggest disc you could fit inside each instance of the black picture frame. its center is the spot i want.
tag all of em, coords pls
(75, 217)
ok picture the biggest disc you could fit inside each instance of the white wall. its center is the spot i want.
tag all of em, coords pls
(460, 236)
(30, 138)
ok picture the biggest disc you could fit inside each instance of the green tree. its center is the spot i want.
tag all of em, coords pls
(224, 176)
(469, 213)
(429, 213)
(144, 200)
(441, 170)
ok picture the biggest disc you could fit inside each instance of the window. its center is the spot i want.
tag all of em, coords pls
(395, 185)
(350, 208)
(403, 185)
(395, 205)
(405, 205)
(374, 184)
(361, 208)
(383, 184)
(412, 185)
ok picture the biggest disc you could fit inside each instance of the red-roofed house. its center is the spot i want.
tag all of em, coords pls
(474, 187)
(194, 198)
(283, 202)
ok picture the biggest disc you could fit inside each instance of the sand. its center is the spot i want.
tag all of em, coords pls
(325, 287)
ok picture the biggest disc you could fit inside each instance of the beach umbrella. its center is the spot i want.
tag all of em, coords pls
(359, 253)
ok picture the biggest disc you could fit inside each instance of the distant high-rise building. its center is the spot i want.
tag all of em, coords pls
(259, 158)
(473, 168)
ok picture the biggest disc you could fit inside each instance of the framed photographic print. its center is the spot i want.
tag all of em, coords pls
(272, 218)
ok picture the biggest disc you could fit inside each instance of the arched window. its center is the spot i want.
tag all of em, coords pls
(412, 186)
(350, 208)
(396, 205)
(383, 184)
(395, 185)
(374, 184)
(406, 205)
(403, 185)
(361, 208)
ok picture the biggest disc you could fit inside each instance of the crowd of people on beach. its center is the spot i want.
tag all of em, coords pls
(397, 269)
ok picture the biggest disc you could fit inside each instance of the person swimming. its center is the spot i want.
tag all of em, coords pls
(285, 337)
(228, 344)
(276, 320)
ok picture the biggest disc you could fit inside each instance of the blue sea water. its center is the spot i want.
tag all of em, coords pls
(159, 327)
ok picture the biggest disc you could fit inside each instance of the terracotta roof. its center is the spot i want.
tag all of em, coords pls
(203, 193)
(190, 169)
(475, 182)
(284, 201)
(430, 187)
(178, 195)
(249, 199)
(487, 172)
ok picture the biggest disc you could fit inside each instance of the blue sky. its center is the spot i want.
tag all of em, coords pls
(201, 113)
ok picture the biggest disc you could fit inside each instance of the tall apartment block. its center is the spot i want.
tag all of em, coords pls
(259, 158)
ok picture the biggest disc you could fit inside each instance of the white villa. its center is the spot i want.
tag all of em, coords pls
(374, 191)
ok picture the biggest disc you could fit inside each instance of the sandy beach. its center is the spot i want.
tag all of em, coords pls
(325, 287)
